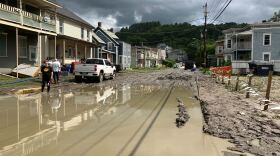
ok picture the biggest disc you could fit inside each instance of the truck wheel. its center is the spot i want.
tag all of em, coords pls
(101, 77)
(78, 78)
(113, 76)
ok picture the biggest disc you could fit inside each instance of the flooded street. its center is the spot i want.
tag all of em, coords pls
(106, 120)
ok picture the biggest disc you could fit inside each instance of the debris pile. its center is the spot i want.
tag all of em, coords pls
(175, 76)
(183, 116)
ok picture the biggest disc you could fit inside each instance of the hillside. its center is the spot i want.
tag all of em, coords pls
(179, 35)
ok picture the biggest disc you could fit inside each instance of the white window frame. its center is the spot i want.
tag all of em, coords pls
(230, 43)
(61, 26)
(26, 48)
(6, 35)
(269, 39)
(266, 53)
(30, 52)
(82, 33)
(88, 35)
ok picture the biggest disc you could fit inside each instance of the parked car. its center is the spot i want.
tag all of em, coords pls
(95, 68)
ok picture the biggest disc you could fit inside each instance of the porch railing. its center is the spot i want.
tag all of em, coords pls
(14, 15)
(243, 46)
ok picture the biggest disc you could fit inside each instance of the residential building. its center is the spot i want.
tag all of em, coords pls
(142, 56)
(25, 28)
(124, 55)
(110, 51)
(256, 43)
(163, 52)
(178, 55)
(74, 39)
(219, 52)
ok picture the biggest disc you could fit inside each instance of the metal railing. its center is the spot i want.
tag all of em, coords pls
(30, 16)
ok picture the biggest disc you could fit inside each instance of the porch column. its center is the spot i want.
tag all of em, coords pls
(55, 47)
(85, 51)
(21, 17)
(17, 50)
(76, 51)
(39, 49)
(236, 40)
(63, 50)
(90, 52)
(117, 55)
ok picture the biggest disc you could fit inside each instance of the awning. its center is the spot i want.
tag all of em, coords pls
(250, 32)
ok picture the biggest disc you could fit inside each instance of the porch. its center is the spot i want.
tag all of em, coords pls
(69, 50)
(28, 13)
(19, 46)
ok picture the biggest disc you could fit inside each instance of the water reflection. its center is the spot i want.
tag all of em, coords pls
(31, 122)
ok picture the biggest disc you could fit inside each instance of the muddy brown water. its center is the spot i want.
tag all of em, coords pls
(108, 120)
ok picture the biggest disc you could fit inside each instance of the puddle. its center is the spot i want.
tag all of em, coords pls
(104, 120)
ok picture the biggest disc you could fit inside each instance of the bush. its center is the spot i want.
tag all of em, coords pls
(169, 63)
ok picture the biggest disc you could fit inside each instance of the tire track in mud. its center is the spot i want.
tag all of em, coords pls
(142, 124)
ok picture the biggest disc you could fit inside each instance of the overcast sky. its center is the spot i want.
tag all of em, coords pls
(119, 13)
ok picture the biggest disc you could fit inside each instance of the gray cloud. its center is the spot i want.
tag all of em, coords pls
(118, 13)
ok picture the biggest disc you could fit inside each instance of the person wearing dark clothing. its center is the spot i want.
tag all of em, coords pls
(47, 75)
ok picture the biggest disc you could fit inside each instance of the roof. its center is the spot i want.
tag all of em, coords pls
(266, 24)
(67, 13)
(232, 30)
(250, 32)
(111, 34)
(99, 40)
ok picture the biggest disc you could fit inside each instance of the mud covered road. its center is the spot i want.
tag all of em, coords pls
(135, 114)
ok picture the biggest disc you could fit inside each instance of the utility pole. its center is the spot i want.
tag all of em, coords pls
(205, 34)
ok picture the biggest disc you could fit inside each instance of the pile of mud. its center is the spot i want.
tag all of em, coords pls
(230, 116)
(175, 76)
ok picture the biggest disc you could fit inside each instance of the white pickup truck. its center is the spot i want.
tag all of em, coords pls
(95, 68)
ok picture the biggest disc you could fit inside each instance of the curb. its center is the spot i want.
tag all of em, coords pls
(27, 91)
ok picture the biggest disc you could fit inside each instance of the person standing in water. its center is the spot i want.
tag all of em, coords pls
(47, 74)
(56, 69)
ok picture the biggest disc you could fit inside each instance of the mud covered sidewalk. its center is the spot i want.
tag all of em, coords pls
(231, 116)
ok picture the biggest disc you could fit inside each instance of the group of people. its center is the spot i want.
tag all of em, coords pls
(50, 73)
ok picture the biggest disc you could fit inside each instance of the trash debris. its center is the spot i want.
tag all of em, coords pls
(183, 116)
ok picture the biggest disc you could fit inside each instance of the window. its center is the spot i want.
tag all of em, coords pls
(88, 38)
(220, 49)
(229, 44)
(82, 33)
(110, 46)
(266, 56)
(107, 63)
(22, 46)
(32, 53)
(3, 45)
(267, 39)
(94, 61)
(120, 59)
(61, 26)
(69, 53)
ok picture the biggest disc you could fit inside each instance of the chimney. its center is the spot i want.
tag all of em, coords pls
(100, 24)
(112, 30)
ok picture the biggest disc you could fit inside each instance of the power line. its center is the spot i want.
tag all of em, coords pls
(213, 11)
(218, 15)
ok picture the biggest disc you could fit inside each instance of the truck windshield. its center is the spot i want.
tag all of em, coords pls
(94, 61)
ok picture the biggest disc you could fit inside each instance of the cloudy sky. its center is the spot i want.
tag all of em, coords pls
(119, 13)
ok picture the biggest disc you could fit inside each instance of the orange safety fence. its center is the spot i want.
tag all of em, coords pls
(223, 71)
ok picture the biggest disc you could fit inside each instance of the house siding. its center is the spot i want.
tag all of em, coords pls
(10, 60)
(259, 48)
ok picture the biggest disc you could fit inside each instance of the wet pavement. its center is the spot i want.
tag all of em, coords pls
(104, 120)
